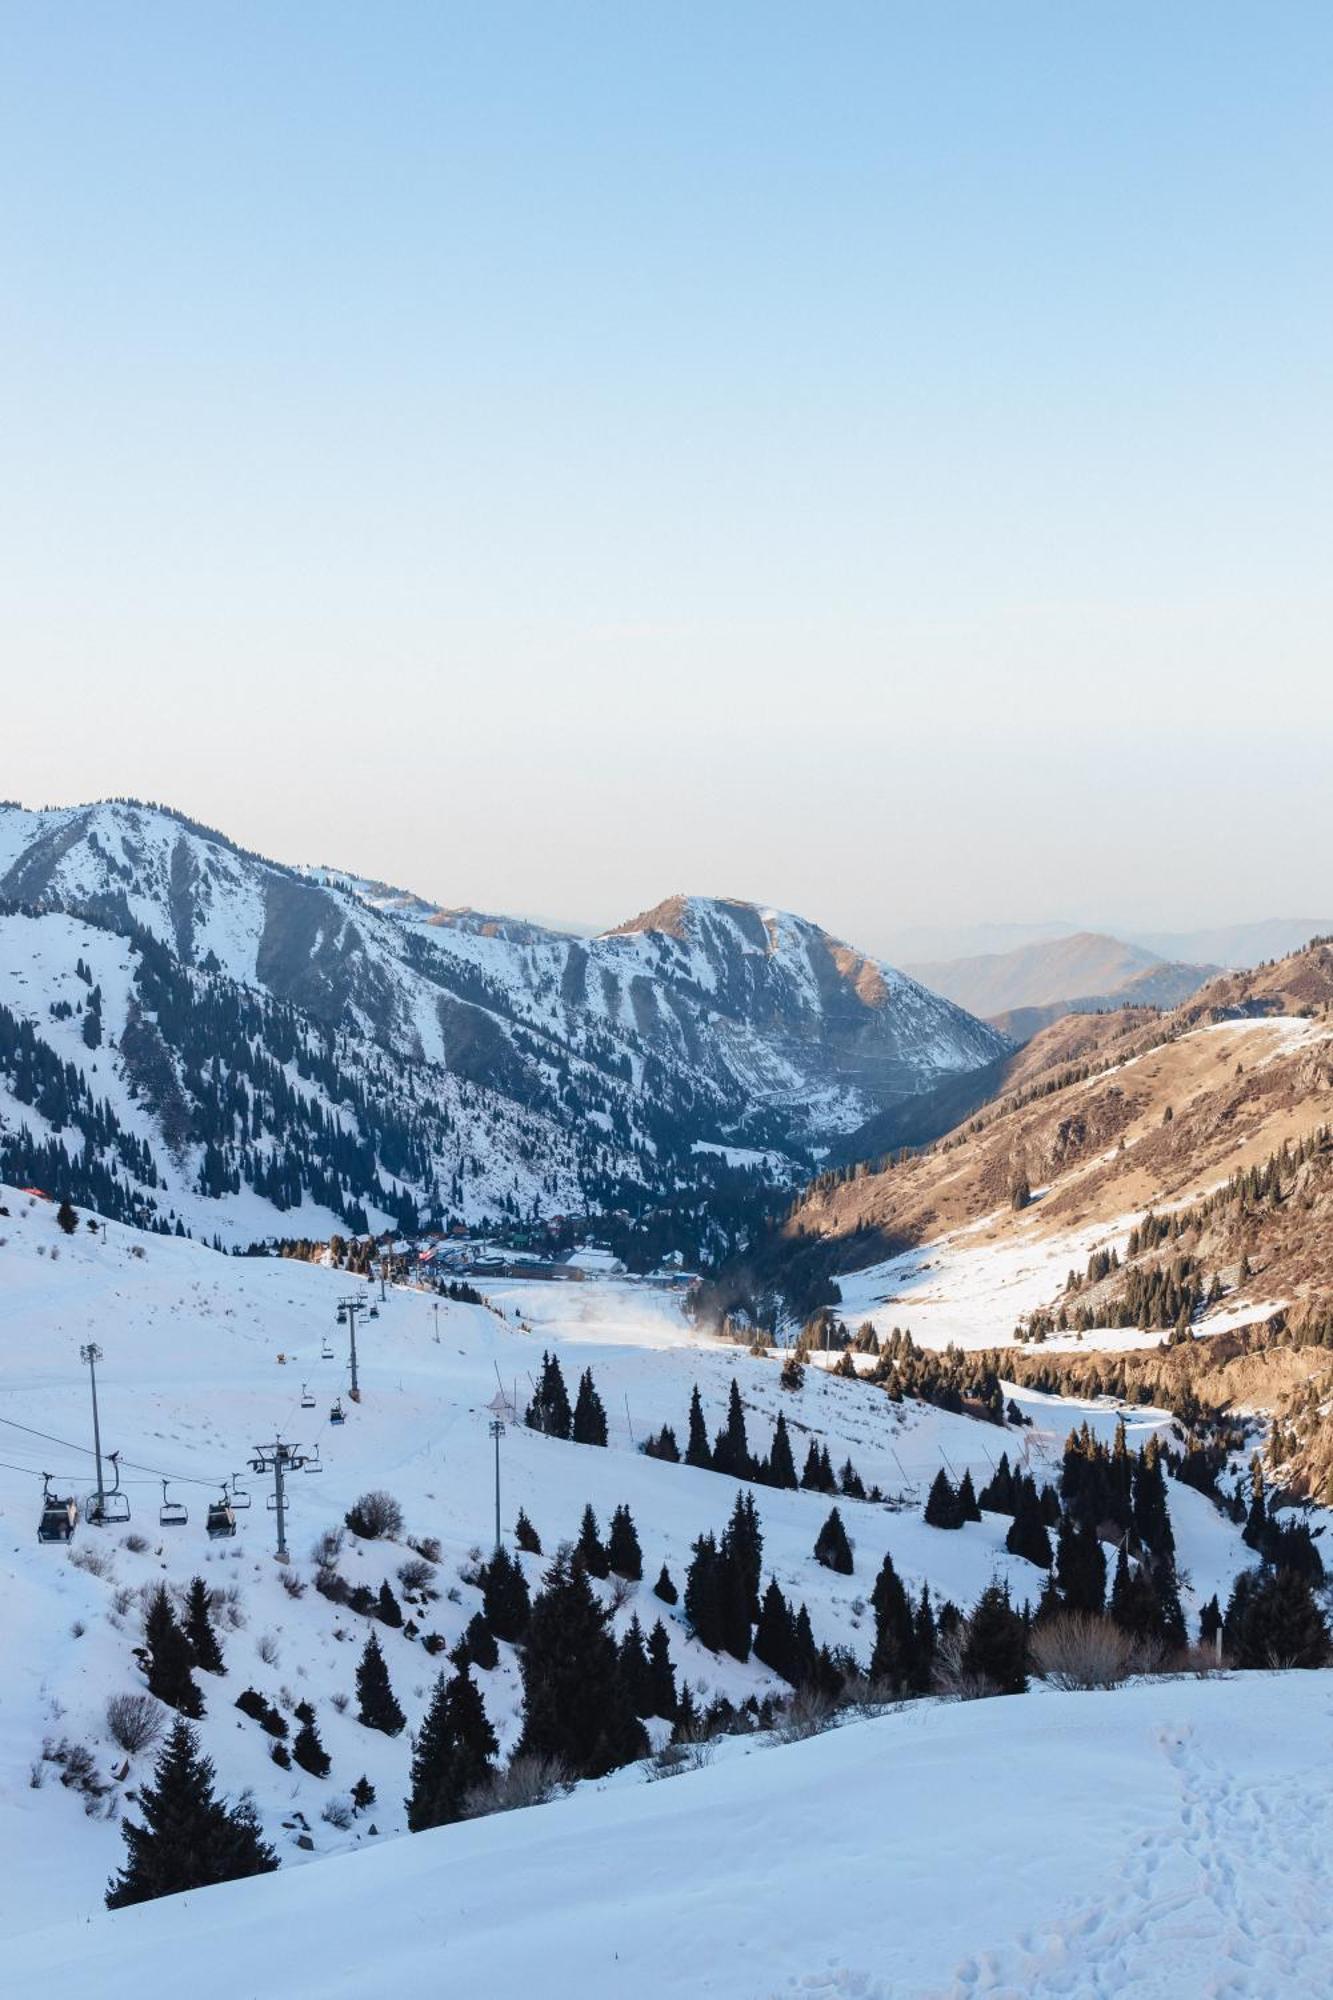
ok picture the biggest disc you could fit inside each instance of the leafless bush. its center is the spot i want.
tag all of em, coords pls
(133, 1721)
(36, 1775)
(621, 1592)
(469, 1570)
(338, 1812)
(807, 1713)
(78, 1770)
(952, 1679)
(267, 1648)
(1078, 1650)
(77, 1629)
(416, 1575)
(94, 1560)
(339, 1701)
(327, 1548)
(292, 1583)
(527, 1780)
(426, 1546)
(136, 1544)
(375, 1516)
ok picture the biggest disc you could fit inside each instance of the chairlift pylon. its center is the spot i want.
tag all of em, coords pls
(172, 1513)
(59, 1515)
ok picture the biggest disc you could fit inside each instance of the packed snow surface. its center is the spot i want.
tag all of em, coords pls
(1167, 1839)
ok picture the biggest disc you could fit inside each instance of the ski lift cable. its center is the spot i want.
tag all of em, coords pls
(68, 1444)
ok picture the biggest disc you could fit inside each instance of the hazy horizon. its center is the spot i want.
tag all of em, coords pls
(873, 461)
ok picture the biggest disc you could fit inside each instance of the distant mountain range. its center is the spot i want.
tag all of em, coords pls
(1236, 946)
(1023, 990)
(197, 1037)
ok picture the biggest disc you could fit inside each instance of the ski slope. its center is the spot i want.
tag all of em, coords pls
(204, 1357)
(1168, 1839)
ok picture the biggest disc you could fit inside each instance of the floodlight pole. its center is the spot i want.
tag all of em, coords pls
(92, 1354)
(497, 1432)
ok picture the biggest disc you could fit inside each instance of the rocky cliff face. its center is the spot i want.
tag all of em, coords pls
(593, 1067)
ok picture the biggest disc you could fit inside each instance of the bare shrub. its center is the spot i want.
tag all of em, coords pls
(952, 1679)
(808, 1713)
(94, 1560)
(426, 1546)
(122, 1600)
(469, 1571)
(327, 1548)
(416, 1575)
(527, 1780)
(292, 1583)
(339, 1701)
(77, 1629)
(376, 1516)
(36, 1775)
(133, 1721)
(1078, 1650)
(338, 1812)
(267, 1648)
(621, 1592)
(136, 1544)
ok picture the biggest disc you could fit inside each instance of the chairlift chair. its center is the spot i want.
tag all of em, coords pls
(59, 1515)
(326, 1352)
(240, 1498)
(374, 1313)
(113, 1506)
(336, 1413)
(342, 1315)
(172, 1513)
(221, 1520)
(312, 1463)
(307, 1398)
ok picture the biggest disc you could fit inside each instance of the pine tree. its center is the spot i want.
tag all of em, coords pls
(665, 1588)
(775, 1637)
(696, 1450)
(589, 1413)
(743, 1545)
(1272, 1620)
(590, 1549)
(894, 1656)
(505, 1603)
(387, 1608)
(549, 1409)
(832, 1547)
(995, 1651)
(622, 1547)
(781, 1464)
(169, 1658)
(575, 1705)
(731, 1450)
(967, 1499)
(1080, 1567)
(526, 1536)
(1210, 1622)
(661, 1673)
(942, 1503)
(477, 1646)
(925, 1638)
(199, 1629)
(307, 1749)
(67, 1219)
(997, 1495)
(632, 1663)
(452, 1753)
(1027, 1534)
(376, 1707)
(703, 1595)
(189, 1838)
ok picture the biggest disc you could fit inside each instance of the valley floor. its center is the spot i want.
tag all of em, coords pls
(1168, 1839)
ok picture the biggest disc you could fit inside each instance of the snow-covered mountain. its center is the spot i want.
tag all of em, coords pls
(271, 1037)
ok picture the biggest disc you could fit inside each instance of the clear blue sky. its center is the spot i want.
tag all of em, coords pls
(871, 458)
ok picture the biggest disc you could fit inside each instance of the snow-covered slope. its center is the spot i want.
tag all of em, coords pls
(570, 1074)
(204, 1358)
(1162, 1840)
